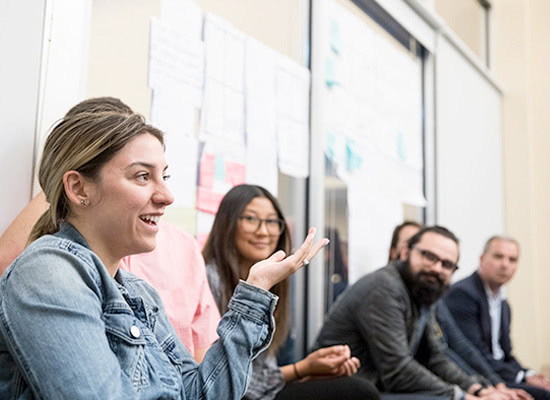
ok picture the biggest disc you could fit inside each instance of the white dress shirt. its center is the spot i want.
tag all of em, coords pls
(495, 311)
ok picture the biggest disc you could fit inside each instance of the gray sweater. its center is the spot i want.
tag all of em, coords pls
(377, 318)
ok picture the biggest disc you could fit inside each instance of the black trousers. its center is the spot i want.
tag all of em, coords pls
(412, 396)
(343, 388)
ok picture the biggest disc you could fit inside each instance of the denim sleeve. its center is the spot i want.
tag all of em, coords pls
(245, 331)
(51, 323)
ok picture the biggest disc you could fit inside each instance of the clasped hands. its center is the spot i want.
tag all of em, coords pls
(329, 361)
(498, 392)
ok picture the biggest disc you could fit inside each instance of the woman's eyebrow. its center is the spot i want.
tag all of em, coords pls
(140, 163)
(144, 164)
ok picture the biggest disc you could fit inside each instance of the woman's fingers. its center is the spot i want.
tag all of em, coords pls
(316, 248)
(269, 272)
(277, 256)
(307, 250)
(300, 254)
(347, 351)
(327, 351)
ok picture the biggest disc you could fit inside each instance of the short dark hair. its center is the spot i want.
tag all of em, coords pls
(440, 230)
(489, 241)
(397, 230)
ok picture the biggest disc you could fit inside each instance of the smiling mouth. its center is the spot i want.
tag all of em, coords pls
(150, 219)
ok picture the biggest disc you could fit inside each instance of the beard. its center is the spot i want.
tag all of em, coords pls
(425, 287)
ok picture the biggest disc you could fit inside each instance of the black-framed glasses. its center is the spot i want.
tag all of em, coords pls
(251, 224)
(432, 258)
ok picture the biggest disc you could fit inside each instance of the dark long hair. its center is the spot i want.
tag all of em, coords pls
(220, 251)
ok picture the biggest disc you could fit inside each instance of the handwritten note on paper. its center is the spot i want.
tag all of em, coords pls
(183, 15)
(234, 114)
(261, 116)
(182, 157)
(214, 39)
(173, 112)
(175, 61)
(293, 83)
(223, 114)
(212, 116)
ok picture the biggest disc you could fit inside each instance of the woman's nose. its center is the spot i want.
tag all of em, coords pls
(163, 195)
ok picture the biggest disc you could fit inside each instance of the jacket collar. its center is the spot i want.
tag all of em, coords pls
(68, 231)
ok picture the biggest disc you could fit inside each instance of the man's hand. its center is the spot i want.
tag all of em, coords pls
(488, 393)
(517, 394)
(539, 380)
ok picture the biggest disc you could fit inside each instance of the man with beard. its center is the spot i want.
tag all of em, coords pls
(387, 320)
(455, 345)
(479, 305)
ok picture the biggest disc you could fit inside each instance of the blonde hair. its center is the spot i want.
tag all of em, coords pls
(82, 142)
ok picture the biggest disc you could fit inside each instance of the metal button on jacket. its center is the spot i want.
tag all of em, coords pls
(134, 330)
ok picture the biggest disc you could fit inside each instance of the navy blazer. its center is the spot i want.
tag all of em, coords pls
(468, 303)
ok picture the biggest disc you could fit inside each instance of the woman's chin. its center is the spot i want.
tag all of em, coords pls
(145, 247)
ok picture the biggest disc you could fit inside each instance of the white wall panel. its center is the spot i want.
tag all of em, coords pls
(468, 154)
(21, 32)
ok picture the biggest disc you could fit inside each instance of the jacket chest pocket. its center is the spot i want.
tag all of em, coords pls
(128, 343)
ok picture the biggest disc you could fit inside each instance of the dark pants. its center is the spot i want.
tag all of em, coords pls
(411, 396)
(536, 392)
(344, 388)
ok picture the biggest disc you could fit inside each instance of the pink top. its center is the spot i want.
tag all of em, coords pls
(176, 270)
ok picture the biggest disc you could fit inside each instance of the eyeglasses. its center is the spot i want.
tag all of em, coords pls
(251, 224)
(432, 259)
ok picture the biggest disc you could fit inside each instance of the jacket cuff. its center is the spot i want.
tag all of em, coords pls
(458, 393)
(256, 303)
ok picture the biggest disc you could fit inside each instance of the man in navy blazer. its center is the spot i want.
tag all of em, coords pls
(481, 310)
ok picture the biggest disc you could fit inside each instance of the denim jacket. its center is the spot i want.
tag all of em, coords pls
(69, 330)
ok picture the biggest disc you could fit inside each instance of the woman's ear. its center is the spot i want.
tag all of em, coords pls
(77, 188)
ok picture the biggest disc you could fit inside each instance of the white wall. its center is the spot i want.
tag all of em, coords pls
(468, 154)
(21, 27)
(64, 65)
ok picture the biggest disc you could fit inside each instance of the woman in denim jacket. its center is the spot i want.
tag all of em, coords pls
(73, 326)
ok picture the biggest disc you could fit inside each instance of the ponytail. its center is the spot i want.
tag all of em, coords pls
(44, 226)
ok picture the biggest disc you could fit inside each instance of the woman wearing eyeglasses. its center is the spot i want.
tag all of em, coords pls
(249, 227)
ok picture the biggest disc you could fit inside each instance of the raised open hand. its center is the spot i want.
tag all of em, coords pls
(267, 273)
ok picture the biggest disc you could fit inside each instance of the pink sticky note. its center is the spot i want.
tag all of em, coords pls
(206, 173)
(208, 201)
(235, 173)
